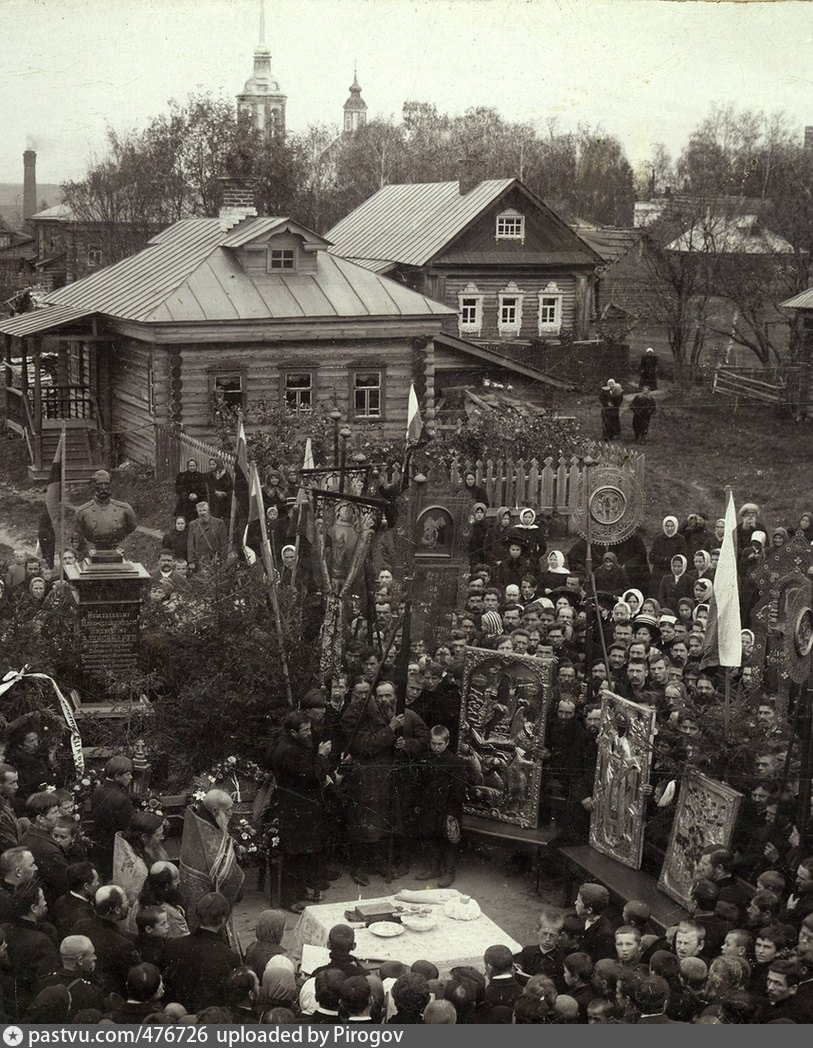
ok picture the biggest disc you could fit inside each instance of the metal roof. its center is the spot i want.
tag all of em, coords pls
(411, 223)
(804, 300)
(58, 213)
(611, 244)
(731, 235)
(186, 275)
(44, 319)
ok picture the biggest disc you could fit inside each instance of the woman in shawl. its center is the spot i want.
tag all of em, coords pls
(162, 890)
(190, 488)
(497, 546)
(610, 576)
(611, 398)
(554, 571)
(702, 565)
(651, 607)
(529, 532)
(278, 988)
(178, 539)
(634, 599)
(805, 526)
(663, 548)
(274, 492)
(702, 590)
(779, 536)
(219, 486)
(268, 932)
(685, 610)
(747, 643)
(677, 584)
(471, 487)
(479, 534)
(134, 851)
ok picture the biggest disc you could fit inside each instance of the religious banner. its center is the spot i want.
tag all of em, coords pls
(706, 814)
(502, 733)
(431, 544)
(624, 757)
(782, 619)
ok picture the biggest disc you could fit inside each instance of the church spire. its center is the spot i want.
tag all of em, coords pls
(262, 96)
(355, 108)
(262, 45)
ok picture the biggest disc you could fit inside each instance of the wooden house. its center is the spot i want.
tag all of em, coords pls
(239, 309)
(509, 268)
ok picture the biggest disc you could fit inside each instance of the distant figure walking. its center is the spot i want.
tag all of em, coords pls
(649, 369)
(643, 407)
(611, 398)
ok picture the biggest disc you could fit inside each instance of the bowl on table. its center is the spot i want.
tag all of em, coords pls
(417, 923)
(386, 929)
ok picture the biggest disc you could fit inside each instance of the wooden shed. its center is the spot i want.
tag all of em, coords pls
(238, 309)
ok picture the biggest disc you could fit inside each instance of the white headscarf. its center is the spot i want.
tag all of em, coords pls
(674, 519)
(682, 559)
(556, 563)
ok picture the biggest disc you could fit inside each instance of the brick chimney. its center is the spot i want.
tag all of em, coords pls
(29, 184)
(809, 137)
(239, 200)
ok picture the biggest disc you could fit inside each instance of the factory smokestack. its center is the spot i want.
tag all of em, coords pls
(29, 184)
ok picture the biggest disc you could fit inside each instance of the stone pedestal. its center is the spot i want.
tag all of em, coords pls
(110, 592)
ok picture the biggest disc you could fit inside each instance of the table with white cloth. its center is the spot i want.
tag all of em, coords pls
(448, 944)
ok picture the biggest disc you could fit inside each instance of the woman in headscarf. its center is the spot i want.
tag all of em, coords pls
(24, 754)
(219, 486)
(178, 539)
(471, 487)
(779, 536)
(805, 525)
(677, 584)
(499, 536)
(554, 571)
(190, 488)
(663, 548)
(702, 565)
(278, 988)
(268, 933)
(685, 610)
(610, 576)
(634, 599)
(274, 492)
(702, 590)
(621, 612)
(651, 607)
(530, 533)
(747, 643)
(479, 534)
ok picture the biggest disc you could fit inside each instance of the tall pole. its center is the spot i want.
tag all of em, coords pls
(805, 722)
(62, 468)
(727, 693)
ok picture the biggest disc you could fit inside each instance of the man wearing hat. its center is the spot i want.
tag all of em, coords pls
(104, 522)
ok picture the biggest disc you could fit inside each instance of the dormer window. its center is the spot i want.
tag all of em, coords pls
(281, 258)
(510, 225)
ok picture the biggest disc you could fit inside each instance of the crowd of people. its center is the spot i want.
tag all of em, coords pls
(102, 930)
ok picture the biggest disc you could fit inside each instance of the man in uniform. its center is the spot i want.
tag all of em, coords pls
(103, 522)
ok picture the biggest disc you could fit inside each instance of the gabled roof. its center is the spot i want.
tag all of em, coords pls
(57, 213)
(611, 244)
(187, 275)
(411, 223)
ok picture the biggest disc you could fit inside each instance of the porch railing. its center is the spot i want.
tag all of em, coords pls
(66, 402)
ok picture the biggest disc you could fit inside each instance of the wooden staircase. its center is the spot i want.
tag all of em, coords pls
(82, 459)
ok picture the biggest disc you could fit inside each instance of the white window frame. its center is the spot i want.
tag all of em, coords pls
(510, 225)
(513, 327)
(471, 295)
(551, 294)
(367, 392)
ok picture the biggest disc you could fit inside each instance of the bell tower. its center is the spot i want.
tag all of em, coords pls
(262, 97)
(355, 108)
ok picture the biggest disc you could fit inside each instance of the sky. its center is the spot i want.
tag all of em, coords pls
(644, 70)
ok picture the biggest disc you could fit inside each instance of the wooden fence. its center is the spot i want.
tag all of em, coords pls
(174, 448)
(778, 385)
(551, 485)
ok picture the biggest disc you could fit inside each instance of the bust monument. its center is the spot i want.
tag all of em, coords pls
(104, 522)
